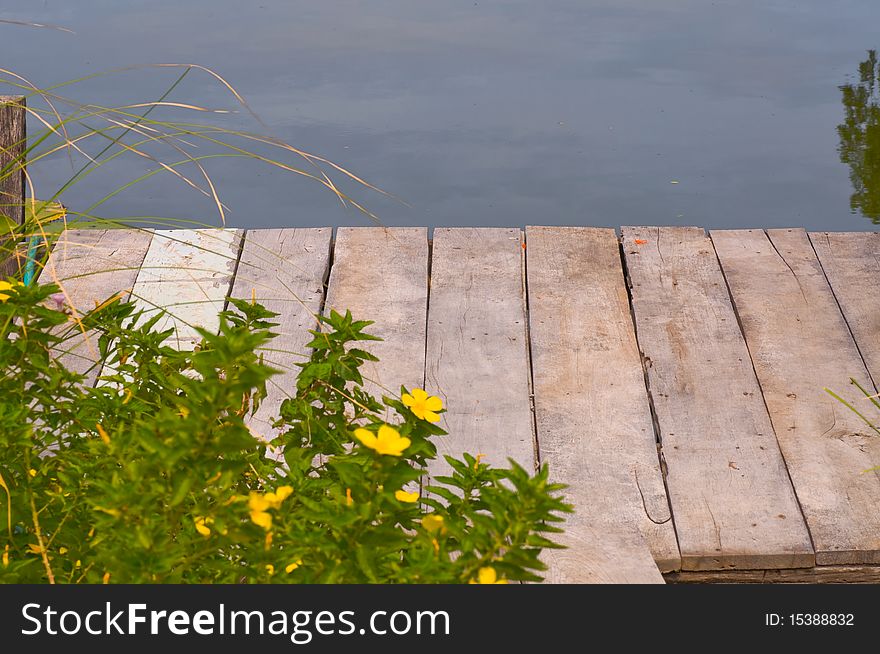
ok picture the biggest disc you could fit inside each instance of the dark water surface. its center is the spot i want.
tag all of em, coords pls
(595, 112)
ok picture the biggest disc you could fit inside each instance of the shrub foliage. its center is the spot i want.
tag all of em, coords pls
(153, 475)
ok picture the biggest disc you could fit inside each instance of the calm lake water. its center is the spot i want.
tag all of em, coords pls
(594, 112)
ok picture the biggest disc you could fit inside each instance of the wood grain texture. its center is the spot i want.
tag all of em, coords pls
(799, 344)
(284, 270)
(595, 554)
(13, 141)
(91, 266)
(477, 349)
(381, 274)
(823, 574)
(733, 503)
(851, 261)
(593, 418)
(188, 273)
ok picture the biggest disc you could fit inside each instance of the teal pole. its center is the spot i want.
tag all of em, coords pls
(30, 266)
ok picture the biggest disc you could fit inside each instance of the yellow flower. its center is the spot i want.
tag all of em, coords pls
(293, 566)
(403, 496)
(348, 500)
(270, 569)
(258, 502)
(388, 441)
(106, 578)
(32, 472)
(262, 519)
(275, 499)
(6, 556)
(7, 286)
(487, 575)
(202, 525)
(424, 406)
(62, 550)
(433, 522)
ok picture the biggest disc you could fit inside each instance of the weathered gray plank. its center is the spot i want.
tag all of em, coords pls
(285, 271)
(13, 135)
(823, 574)
(91, 266)
(187, 272)
(800, 343)
(381, 274)
(593, 418)
(733, 503)
(595, 554)
(477, 352)
(851, 261)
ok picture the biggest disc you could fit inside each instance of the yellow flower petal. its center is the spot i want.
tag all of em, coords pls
(262, 519)
(284, 492)
(433, 403)
(387, 441)
(419, 394)
(270, 569)
(366, 437)
(487, 575)
(293, 566)
(403, 496)
(407, 399)
(430, 416)
(201, 524)
(433, 522)
(258, 502)
(103, 434)
(7, 286)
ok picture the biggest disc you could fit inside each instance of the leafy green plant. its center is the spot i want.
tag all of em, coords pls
(153, 475)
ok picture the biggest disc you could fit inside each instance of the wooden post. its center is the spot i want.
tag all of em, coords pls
(13, 135)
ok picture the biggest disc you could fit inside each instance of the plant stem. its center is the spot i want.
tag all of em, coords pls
(36, 519)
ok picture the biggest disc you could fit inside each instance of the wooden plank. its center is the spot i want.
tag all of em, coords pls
(477, 348)
(285, 271)
(91, 266)
(851, 261)
(187, 272)
(13, 141)
(381, 274)
(823, 574)
(593, 418)
(733, 503)
(800, 343)
(595, 554)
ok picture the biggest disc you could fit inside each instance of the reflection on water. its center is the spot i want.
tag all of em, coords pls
(860, 138)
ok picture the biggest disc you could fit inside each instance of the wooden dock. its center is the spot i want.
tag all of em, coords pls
(673, 379)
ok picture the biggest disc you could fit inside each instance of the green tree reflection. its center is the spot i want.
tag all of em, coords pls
(860, 138)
